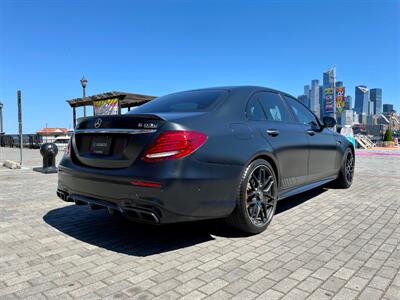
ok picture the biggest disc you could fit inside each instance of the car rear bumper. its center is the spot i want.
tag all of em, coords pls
(209, 192)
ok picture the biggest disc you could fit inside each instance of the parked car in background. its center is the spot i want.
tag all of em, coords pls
(226, 152)
(62, 141)
(31, 141)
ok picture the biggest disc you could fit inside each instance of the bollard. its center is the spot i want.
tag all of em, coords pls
(49, 152)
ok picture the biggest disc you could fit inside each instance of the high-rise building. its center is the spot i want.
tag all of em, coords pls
(348, 103)
(339, 83)
(329, 78)
(303, 99)
(321, 101)
(346, 117)
(387, 108)
(375, 96)
(370, 108)
(314, 97)
(307, 90)
(361, 105)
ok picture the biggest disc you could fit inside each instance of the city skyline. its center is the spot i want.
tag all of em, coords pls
(184, 45)
(336, 101)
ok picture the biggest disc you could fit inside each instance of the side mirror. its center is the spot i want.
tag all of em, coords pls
(329, 122)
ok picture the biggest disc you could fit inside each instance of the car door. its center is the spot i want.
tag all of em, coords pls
(322, 144)
(270, 115)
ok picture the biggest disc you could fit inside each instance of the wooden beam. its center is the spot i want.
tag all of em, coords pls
(74, 116)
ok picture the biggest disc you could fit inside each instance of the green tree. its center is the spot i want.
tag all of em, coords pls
(388, 136)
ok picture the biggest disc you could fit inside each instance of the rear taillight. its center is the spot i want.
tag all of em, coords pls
(174, 144)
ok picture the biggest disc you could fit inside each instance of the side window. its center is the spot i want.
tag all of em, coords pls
(254, 111)
(302, 114)
(274, 107)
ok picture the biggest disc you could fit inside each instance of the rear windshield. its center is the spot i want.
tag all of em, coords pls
(192, 101)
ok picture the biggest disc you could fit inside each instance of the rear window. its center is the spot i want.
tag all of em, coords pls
(182, 102)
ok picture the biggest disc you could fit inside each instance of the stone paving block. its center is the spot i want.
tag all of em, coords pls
(296, 294)
(237, 286)
(310, 284)
(195, 295)
(271, 295)
(370, 294)
(262, 285)
(245, 294)
(285, 285)
(300, 274)
(346, 294)
(357, 283)
(189, 286)
(213, 286)
(81, 292)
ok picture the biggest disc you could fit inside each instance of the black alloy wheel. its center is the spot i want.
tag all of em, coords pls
(349, 167)
(346, 173)
(256, 198)
(259, 196)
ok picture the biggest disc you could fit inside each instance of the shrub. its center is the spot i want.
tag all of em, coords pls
(388, 136)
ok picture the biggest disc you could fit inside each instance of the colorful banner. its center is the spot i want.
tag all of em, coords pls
(329, 101)
(340, 99)
(105, 107)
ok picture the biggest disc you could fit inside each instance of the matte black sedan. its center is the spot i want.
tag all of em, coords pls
(226, 152)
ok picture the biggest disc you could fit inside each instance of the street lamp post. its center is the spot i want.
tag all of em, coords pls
(84, 83)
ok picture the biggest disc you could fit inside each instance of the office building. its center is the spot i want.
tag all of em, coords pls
(346, 117)
(339, 83)
(361, 105)
(329, 78)
(303, 99)
(307, 90)
(348, 103)
(375, 96)
(314, 97)
(387, 108)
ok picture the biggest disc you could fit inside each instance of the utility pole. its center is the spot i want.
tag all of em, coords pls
(21, 144)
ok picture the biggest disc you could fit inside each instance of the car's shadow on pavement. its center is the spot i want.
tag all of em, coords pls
(117, 234)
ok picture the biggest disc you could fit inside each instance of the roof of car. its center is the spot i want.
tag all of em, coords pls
(249, 88)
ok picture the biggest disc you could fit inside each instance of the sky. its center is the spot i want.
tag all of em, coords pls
(158, 47)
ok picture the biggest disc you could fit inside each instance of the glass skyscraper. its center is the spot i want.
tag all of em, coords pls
(314, 97)
(329, 78)
(387, 108)
(303, 99)
(361, 105)
(348, 103)
(375, 96)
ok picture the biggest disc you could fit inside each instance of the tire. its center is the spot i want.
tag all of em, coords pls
(346, 173)
(255, 197)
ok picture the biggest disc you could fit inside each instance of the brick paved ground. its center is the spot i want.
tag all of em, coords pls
(339, 244)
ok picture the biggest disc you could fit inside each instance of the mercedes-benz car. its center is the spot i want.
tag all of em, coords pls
(224, 152)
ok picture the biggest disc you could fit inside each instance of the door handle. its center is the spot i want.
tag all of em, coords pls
(311, 132)
(273, 132)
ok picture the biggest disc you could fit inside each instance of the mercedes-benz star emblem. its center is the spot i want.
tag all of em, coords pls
(97, 123)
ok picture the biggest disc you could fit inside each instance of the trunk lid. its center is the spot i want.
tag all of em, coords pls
(113, 141)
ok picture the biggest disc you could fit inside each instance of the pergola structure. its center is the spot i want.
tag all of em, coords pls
(125, 100)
